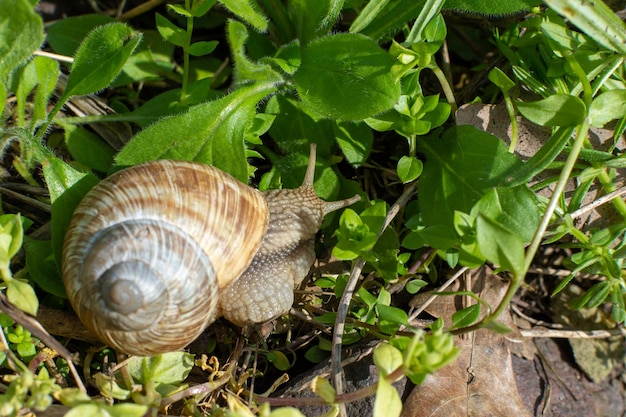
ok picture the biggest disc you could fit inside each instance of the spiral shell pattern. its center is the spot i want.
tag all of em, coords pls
(149, 248)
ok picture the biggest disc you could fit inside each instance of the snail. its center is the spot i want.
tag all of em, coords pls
(155, 253)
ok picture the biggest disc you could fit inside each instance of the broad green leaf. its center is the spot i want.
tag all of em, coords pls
(516, 208)
(88, 148)
(67, 187)
(42, 267)
(500, 246)
(123, 410)
(607, 106)
(295, 125)
(249, 11)
(65, 35)
(170, 32)
(460, 167)
(409, 168)
(355, 141)
(167, 368)
(100, 58)
(556, 110)
(387, 402)
(391, 318)
(23, 296)
(387, 358)
(346, 77)
(211, 132)
(21, 33)
(413, 286)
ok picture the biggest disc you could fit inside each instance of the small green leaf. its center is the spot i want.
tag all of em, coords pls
(23, 296)
(501, 80)
(11, 237)
(387, 358)
(180, 10)
(109, 387)
(413, 286)
(387, 402)
(556, 110)
(322, 387)
(346, 77)
(499, 245)
(409, 168)
(607, 106)
(279, 360)
(170, 32)
(202, 48)
(465, 317)
(100, 58)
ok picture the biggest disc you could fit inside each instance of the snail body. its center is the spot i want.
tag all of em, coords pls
(156, 252)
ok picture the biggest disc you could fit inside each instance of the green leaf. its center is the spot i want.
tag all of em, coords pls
(465, 317)
(500, 246)
(201, 7)
(491, 8)
(413, 286)
(88, 148)
(607, 106)
(322, 387)
(246, 69)
(556, 110)
(67, 187)
(279, 360)
(42, 267)
(541, 160)
(501, 80)
(167, 368)
(367, 15)
(202, 48)
(387, 402)
(11, 237)
(179, 9)
(387, 358)
(355, 141)
(100, 58)
(213, 133)
(516, 209)
(390, 318)
(346, 77)
(311, 19)
(170, 32)
(249, 11)
(409, 168)
(460, 168)
(21, 33)
(23, 296)
(595, 19)
(65, 35)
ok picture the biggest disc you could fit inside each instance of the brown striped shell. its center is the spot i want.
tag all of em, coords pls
(149, 248)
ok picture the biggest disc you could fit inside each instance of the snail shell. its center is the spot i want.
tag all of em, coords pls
(155, 253)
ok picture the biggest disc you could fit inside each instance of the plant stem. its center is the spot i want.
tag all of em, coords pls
(445, 85)
(183, 91)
